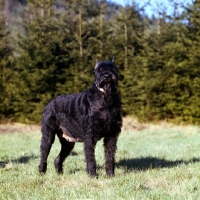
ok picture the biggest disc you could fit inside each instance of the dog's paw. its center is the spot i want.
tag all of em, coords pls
(42, 168)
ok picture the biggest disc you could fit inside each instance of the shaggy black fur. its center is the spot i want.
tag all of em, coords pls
(90, 116)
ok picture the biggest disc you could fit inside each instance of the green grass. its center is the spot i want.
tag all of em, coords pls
(152, 164)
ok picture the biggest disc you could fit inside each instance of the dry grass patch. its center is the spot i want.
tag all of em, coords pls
(18, 128)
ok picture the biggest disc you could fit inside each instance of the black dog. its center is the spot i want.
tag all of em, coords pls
(87, 117)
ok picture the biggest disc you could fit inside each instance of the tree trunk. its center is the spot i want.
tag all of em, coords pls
(101, 31)
(80, 38)
(6, 5)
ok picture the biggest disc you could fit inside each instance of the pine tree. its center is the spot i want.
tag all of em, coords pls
(128, 41)
(6, 68)
(42, 60)
(163, 53)
(192, 66)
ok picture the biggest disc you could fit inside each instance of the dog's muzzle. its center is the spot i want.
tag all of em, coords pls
(107, 81)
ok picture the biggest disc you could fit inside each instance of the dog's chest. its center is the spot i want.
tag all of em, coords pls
(102, 122)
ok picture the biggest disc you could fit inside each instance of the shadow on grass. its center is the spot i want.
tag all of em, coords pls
(24, 159)
(20, 160)
(145, 163)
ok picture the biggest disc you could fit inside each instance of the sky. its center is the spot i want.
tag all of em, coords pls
(150, 10)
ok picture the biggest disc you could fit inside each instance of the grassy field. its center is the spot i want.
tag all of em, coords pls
(152, 162)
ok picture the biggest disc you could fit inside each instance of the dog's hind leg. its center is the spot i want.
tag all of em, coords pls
(47, 140)
(66, 148)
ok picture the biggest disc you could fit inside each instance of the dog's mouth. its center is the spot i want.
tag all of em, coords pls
(108, 82)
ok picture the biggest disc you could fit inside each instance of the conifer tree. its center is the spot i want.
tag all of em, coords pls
(6, 68)
(42, 59)
(171, 83)
(192, 66)
(128, 41)
(79, 18)
(158, 83)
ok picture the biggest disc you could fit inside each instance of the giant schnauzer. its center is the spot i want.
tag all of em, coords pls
(85, 117)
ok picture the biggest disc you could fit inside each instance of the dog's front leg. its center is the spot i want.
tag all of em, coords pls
(89, 148)
(110, 145)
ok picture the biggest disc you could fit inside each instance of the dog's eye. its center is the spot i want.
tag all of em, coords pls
(100, 69)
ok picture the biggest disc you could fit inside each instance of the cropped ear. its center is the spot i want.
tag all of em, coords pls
(113, 59)
(97, 62)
